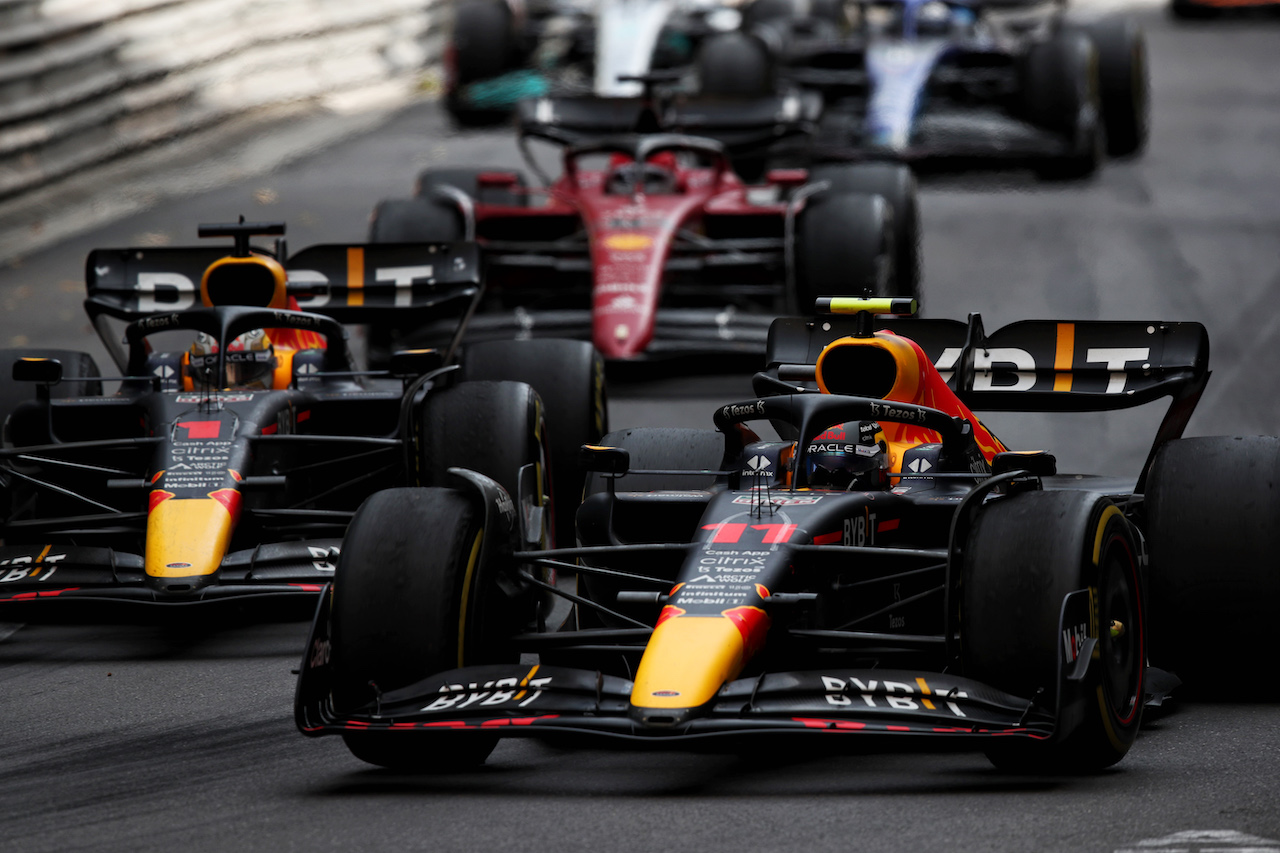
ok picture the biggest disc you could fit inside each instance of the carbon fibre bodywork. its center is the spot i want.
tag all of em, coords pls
(751, 603)
(177, 492)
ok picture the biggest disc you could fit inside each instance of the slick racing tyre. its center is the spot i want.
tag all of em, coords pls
(664, 448)
(79, 379)
(496, 429)
(734, 65)
(1213, 531)
(412, 598)
(414, 220)
(408, 220)
(569, 377)
(1189, 10)
(1060, 93)
(1123, 84)
(897, 184)
(1024, 555)
(468, 181)
(844, 247)
(484, 45)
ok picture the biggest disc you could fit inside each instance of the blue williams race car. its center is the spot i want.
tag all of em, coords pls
(887, 569)
(950, 82)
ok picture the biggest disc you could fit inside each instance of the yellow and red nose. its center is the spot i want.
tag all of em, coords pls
(188, 537)
(689, 658)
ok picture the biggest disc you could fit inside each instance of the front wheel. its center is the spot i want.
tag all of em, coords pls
(1123, 85)
(411, 599)
(1060, 92)
(1025, 555)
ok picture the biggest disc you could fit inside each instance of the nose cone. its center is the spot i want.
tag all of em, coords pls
(687, 661)
(187, 539)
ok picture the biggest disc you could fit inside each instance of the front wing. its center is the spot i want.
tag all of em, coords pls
(556, 702)
(35, 577)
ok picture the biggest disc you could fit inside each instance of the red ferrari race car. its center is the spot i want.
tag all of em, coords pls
(648, 243)
(889, 569)
(243, 438)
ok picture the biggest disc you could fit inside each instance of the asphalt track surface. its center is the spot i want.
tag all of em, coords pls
(180, 737)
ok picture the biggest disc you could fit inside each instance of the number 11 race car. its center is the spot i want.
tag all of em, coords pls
(242, 438)
(889, 569)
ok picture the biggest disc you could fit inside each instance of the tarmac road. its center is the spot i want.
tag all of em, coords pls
(180, 737)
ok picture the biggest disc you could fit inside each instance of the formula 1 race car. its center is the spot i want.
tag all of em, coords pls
(501, 52)
(229, 466)
(951, 83)
(888, 569)
(649, 243)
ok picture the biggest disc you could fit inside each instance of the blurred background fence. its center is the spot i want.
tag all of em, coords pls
(85, 81)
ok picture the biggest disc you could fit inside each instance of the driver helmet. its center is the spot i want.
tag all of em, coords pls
(250, 361)
(933, 19)
(849, 456)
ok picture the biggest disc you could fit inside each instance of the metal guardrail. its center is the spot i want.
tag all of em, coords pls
(84, 81)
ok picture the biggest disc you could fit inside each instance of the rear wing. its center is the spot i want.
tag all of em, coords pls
(1027, 366)
(1032, 365)
(392, 284)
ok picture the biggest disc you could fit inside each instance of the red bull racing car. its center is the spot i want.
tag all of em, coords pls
(228, 466)
(887, 569)
(649, 243)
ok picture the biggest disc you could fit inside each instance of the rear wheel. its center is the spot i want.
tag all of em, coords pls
(1060, 93)
(659, 448)
(496, 429)
(1213, 528)
(409, 561)
(897, 184)
(665, 448)
(1123, 85)
(844, 247)
(414, 220)
(79, 379)
(1025, 554)
(407, 220)
(569, 377)
(734, 65)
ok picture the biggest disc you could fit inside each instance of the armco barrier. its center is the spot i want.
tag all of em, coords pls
(83, 81)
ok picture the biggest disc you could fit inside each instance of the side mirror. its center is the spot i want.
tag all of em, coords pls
(411, 363)
(497, 180)
(1036, 462)
(614, 461)
(46, 371)
(787, 178)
